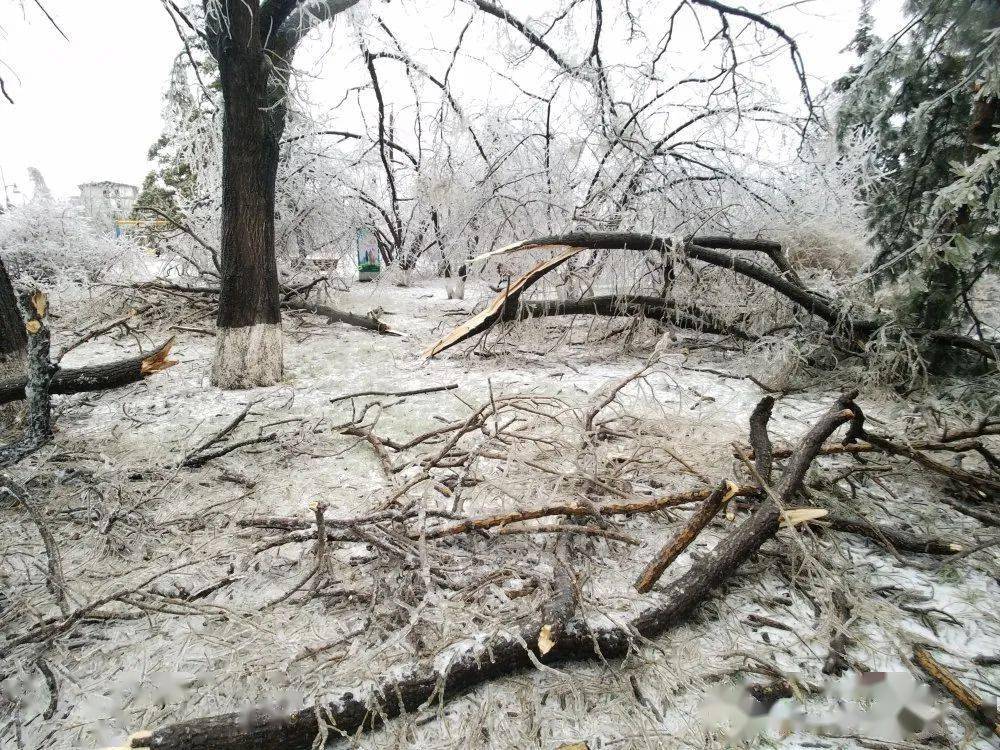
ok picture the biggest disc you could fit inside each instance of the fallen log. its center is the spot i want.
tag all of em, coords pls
(653, 308)
(885, 536)
(334, 315)
(100, 377)
(503, 655)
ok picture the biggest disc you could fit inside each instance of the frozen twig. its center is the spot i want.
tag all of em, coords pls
(411, 392)
(55, 582)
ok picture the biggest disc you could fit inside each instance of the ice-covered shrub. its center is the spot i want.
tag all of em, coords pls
(55, 245)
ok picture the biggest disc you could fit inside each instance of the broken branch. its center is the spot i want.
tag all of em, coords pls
(97, 377)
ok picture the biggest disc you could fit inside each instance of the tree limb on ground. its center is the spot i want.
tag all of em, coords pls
(504, 655)
(100, 377)
(410, 392)
(571, 244)
(653, 308)
(979, 709)
(698, 521)
(334, 315)
(893, 539)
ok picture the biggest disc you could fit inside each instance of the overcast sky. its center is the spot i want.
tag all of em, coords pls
(88, 109)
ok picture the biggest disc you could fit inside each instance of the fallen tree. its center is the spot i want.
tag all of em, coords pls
(707, 250)
(652, 308)
(504, 655)
(99, 377)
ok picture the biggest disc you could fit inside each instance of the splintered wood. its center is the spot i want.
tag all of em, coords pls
(157, 361)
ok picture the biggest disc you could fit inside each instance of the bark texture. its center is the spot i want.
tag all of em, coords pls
(13, 342)
(38, 430)
(670, 551)
(248, 347)
(254, 43)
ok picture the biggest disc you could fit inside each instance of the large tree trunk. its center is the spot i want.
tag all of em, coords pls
(248, 344)
(13, 343)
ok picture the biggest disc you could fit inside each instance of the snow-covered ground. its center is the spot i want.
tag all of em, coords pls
(123, 512)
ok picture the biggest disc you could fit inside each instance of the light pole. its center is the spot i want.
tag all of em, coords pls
(7, 191)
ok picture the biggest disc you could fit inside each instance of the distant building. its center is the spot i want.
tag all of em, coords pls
(106, 201)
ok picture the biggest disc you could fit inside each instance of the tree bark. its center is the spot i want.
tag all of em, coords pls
(13, 342)
(38, 430)
(248, 343)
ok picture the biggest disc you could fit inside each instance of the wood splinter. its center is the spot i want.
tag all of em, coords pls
(157, 361)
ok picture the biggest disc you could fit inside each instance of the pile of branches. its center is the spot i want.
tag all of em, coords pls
(203, 299)
(771, 491)
(430, 516)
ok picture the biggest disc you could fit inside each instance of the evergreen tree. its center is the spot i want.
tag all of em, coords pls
(928, 97)
(172, 183)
